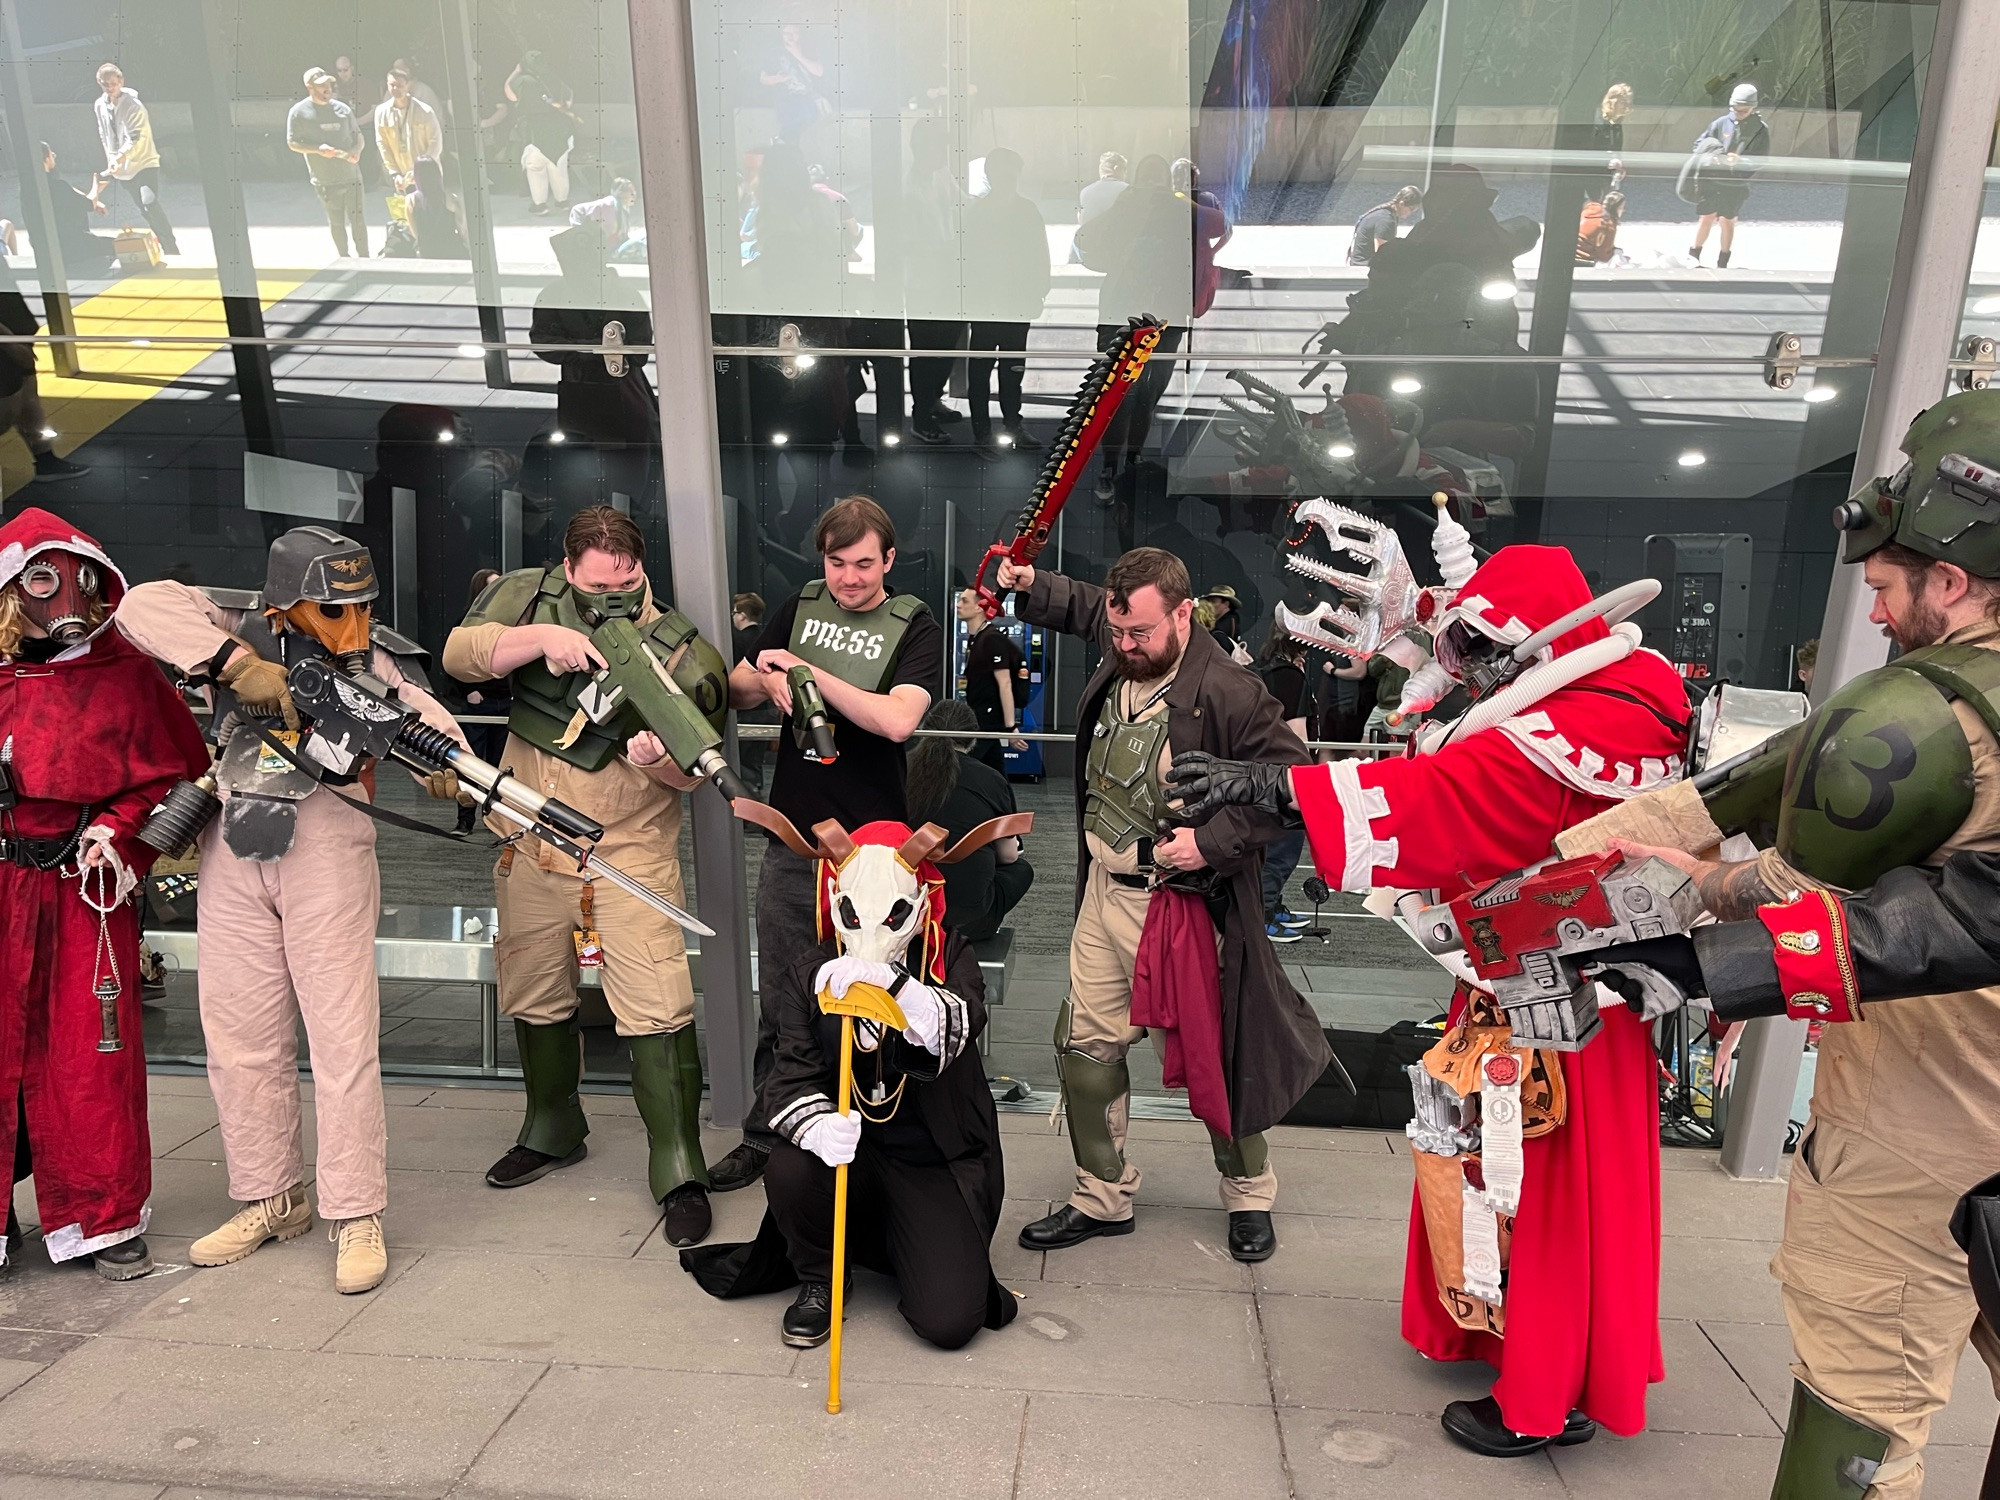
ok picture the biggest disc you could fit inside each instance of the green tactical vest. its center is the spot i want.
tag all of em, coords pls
(1122, 796)
(858, 647)
(545, 704)
(1880, 775)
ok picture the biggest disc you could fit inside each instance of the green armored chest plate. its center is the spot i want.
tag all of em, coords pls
(545, 704)
(1122, 797)
(857, 646)
(1882, 774)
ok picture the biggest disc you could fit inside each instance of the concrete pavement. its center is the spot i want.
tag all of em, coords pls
(544, 1343)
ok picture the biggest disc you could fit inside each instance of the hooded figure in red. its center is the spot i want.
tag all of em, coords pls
(92, 736)
(1581, 1314)
(1576, 1329)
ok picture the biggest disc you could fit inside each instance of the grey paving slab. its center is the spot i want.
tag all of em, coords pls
(36, 1346)
(176, 1119)
(1714, 1278)
(574, 1212)
(749, 1436)
(1321, 1256)
(426, 1138)
(1383, 1456)
(1361, 1142)
(1663, 1466)
(646, 1313)
(1164, 1450)
(1012, 1265)
(41, 1487)
(280, 1297)
(1316, 1346)
(1172, 1247)
(206, 1147)
(72, 1298)
(1356, 1184)
(1712, 1205)
(261, 1417)
(1084, 1339)
(191, 1195)
(1702, 1392)
(17, 1372)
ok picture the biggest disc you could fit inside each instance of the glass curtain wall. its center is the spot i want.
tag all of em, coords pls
(922, 217)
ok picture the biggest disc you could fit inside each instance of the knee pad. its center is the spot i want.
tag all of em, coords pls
(1826, 1451)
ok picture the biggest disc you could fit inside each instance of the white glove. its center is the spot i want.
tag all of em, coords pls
(836, 974)
(831, 1137)
(925, 1013)
(1626, 983)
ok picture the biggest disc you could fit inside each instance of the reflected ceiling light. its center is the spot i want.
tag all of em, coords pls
(1498, 291)
(1986, 305)
(1820, 393)
(779, 439)
(471, 351)
(1340, 450)
(50, 434)
(807, 361)
(1406, 385)
(142, 343)
(1694, 458)
(446, 435)
(558, 436)
(1005, 440)
(891, 439)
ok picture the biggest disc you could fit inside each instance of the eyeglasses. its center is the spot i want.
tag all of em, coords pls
(1137, 636)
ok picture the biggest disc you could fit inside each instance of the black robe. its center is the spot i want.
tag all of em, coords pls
(952, 1105)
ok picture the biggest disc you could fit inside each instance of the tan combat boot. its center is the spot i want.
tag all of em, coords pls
(362, 1259)
(284, 1217)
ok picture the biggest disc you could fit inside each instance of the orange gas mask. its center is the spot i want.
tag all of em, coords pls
(341, 628)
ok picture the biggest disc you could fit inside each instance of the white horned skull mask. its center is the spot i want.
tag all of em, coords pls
(877, 903)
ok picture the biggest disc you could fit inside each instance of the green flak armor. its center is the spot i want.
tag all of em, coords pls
(1123, 799)
(551, 1069)
(666, 1085)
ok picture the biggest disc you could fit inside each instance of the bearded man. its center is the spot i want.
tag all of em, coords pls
(1170, 932)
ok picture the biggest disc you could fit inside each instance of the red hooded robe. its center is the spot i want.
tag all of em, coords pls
(98, 736)
(1583, 1278)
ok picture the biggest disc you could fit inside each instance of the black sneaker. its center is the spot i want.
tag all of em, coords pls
(524, 1164)
(1280, 934)
(127, 1260)
(50, 469)
(930, 434)
(1025, 440)
(688, 1219)
(741, 1167)
(809, 1320)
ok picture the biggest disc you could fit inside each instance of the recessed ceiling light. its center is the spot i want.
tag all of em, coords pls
(558, 436)
(1406, 385)
(471, 351)
(1498, 291)
(446, 435)
(1820, 393)
(1340, 450)
(1986, 305)
(779, 439)
(891, 439)
(1692, 459)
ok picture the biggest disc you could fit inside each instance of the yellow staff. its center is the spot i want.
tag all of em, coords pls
(871, 1003)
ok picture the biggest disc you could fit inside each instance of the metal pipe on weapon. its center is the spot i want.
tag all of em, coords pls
(870, 1003)
(812, 726)
(357, 717)
(1105, 385)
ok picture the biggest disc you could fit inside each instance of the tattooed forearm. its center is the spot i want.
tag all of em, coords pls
(1733, 892)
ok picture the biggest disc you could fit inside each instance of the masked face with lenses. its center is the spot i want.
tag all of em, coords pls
(1474, 658)
(63, 594)
(341, 628)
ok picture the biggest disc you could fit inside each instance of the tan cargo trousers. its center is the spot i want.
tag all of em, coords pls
(1876, 1293)
(1103, 951)
(645, 973)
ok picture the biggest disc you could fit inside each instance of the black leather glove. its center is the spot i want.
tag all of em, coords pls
(1204, 785)
(1670, 958)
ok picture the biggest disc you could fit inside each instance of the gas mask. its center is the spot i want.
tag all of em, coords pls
(1474, 658)
(63, 593)
(613, 604)
(341, 628)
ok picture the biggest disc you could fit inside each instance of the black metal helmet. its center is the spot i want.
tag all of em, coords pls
(313, 562)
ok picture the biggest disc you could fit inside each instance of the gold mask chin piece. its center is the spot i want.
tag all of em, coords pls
(339, 633)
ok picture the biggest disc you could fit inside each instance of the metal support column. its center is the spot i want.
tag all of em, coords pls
(36, 205)
(1926, 296)
(670, 184)
(468, 149)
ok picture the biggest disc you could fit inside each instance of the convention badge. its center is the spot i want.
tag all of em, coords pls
(589, 953)
(1479, 1239)
(1500, 1130)
(269, 761)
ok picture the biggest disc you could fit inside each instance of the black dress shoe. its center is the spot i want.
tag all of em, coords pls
(688, 1218)
(1069, 1226)
(127, 1260)
(1251, 1237)
(738, 1169)
(809, 1320)
(524, 1164)
(1477, 1425)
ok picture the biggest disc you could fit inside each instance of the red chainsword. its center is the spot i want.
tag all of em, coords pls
(1111, 375)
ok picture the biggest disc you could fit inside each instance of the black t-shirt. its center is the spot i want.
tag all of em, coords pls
(991, 651)
(1287, 682)
(866, 783)
(1379, 223)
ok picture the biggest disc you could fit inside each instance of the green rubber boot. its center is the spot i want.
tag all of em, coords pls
(666, 1083)
(551, 1067)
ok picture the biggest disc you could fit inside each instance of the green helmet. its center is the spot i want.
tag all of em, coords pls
(1945, 502)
